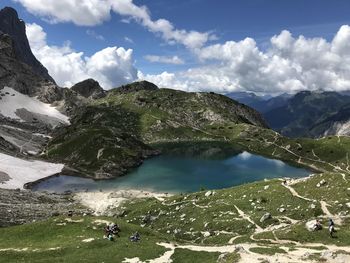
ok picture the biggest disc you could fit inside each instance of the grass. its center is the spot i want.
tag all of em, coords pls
(299, 233)
(42, 237)
(267, 250)
(188, 256)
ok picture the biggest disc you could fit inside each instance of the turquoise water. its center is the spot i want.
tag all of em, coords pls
(175, 173)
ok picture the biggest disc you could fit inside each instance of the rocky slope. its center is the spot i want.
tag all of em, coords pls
(336, 124)
(23, 206)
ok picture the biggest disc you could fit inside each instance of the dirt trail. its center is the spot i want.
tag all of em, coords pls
(297, 254)
(244, 216)
(294, 193)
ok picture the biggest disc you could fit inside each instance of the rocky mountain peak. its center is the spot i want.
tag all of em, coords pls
(89, 88)
(11, 25)
(139, 85)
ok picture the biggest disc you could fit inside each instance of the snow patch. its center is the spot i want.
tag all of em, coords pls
(25, 171)
(13, 101)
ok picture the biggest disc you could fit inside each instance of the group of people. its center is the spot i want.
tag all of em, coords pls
(113, 229)
(331, 229)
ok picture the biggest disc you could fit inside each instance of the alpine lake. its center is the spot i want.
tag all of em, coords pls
(183, 168)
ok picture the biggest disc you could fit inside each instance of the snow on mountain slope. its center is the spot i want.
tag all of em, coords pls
(15, 172)
(11, 101)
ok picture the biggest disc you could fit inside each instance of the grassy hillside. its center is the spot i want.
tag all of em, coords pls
(201, 227)
(114, 133)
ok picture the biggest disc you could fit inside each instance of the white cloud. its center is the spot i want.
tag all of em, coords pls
(290, 64)
(80, 12)
(128, 39)
(164, 59)
(111, 66)
(93, 34)
(93, 12)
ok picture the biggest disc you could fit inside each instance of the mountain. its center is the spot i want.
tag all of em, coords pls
(115, 133)
(11, 25)
(336, 124)
(260, 103)
(89, 88)
(309, 114)
(248, 98)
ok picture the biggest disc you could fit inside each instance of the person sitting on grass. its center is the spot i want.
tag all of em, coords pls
(317, 225)
(135, 237)
(115, 229)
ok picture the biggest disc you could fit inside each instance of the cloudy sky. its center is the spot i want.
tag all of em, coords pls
(264, 46)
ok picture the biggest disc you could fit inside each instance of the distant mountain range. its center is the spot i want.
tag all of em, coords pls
(305, 114)
(260, 103)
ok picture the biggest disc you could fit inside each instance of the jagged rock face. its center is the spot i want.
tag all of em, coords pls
(89, 88)
(10, 24)
(16, 74)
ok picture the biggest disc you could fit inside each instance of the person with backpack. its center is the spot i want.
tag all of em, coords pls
(331, 227)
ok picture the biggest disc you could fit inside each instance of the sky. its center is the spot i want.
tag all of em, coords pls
(262, 46)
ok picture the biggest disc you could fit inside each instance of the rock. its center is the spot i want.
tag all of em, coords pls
(281, 209)
(265, 217)
(310, 225)
(240, 249)
(147, 219)
(207, 194)
(89, 88)
(327, 254)
(312, 206)
(321, 183)
(177, 231)
(206, 234)
(55, 213)
(348, 205)
(266, 187)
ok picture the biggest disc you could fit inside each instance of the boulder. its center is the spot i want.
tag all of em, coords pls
(207, 194)
(265, 217)
(310, 225)
(206, 234)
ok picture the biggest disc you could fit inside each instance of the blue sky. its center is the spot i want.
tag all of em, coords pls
(226, 19)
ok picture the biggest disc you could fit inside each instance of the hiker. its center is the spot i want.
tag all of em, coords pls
(115, 229)
(135, 237)
(331, 227)
(317, 225)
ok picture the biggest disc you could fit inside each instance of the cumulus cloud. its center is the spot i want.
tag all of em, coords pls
(93, 12)
(164, 59)
(111, 66)
(80, 12)
(290, 64)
